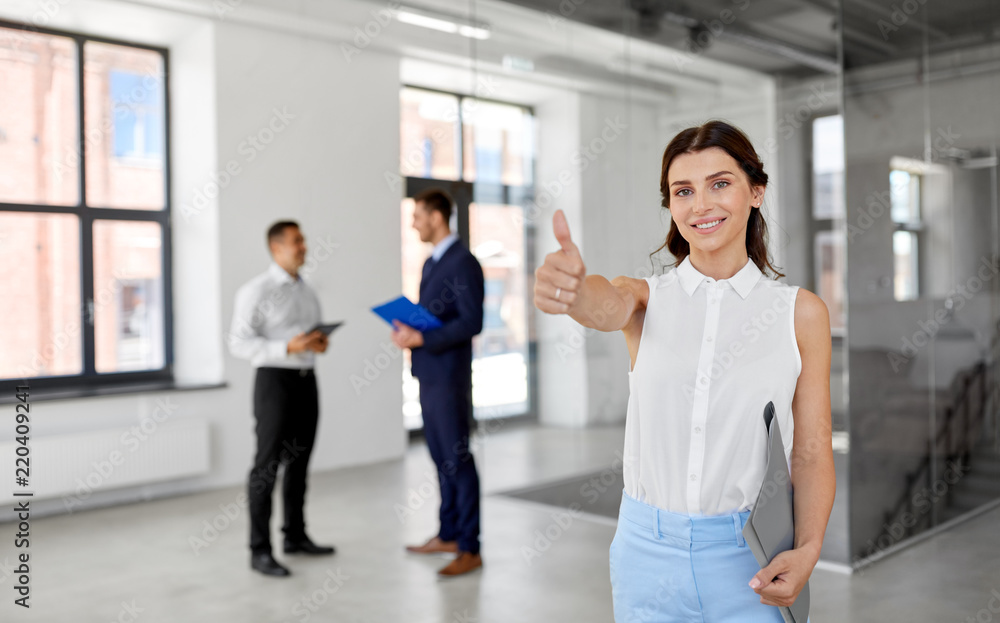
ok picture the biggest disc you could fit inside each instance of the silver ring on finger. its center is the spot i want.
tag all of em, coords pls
(558, 292)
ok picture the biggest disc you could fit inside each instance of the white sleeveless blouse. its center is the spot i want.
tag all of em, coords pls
(711, 355)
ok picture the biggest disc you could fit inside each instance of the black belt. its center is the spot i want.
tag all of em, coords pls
(299, 371)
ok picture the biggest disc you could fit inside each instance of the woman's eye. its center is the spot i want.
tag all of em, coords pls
(721, 182)
(684, 192)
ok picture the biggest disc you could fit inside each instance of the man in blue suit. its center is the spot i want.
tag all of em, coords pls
(452, 289)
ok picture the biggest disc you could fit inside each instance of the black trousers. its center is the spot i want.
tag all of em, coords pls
(286, 407)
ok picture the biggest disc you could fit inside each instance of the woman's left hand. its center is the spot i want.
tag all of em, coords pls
(779, 583)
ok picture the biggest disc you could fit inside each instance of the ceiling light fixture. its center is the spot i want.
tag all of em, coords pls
(443, 22)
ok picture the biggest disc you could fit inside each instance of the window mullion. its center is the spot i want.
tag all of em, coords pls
(81, 126)
(87, 290)
(86, 223)
(85, 220)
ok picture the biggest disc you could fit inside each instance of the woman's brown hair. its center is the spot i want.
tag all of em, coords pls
(736, 144)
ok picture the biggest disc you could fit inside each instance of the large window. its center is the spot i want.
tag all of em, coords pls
(905, 200)
(827, 207)
(84, 210)
(482, 152)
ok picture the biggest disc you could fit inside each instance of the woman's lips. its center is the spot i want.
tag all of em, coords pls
(709, 230)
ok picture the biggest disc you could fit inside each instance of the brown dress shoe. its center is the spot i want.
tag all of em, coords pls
(465, 563)
(434, 546)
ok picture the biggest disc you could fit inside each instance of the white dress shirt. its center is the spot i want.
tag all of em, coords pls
(443, 245)
(711, 355)
(270, 309)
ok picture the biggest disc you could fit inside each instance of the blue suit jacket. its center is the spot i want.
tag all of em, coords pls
(453, 291)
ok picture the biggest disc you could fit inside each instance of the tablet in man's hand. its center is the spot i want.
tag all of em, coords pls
(327, 329)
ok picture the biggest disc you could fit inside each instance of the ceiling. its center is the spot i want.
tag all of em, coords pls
(791, 38)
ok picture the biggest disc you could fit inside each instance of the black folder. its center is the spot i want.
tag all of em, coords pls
(770, 529)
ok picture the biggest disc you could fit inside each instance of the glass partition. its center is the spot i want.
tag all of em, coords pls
(921, 138)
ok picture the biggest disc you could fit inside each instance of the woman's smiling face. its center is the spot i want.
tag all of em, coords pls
(709, 187)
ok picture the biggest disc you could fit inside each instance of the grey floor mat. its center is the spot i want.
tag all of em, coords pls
(599, 493)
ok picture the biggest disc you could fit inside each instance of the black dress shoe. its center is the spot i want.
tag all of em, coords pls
(266, 564)
(306, 546)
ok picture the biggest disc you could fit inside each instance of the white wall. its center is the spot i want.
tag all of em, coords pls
(562, 357)
(325, 170)
(624, 221)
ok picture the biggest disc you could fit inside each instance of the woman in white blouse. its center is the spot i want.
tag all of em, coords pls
(712, 341)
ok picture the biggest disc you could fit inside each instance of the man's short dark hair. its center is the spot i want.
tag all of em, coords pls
(276, 231)
(436, 199)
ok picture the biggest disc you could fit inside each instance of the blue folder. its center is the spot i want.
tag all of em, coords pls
(409, 313)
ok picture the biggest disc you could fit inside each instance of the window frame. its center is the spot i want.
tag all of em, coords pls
(89, 380)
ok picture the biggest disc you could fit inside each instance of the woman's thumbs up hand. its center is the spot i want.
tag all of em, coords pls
(559, 279)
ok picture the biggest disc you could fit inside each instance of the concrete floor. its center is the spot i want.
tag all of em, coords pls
(138, 562)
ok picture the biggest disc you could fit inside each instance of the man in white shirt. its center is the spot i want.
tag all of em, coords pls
(272, 313)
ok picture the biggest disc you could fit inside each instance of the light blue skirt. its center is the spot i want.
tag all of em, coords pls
(667, 567)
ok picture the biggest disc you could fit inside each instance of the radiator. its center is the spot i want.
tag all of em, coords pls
(77, 466)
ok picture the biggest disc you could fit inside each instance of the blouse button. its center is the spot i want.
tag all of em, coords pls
(697, 429)
(694, 477)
